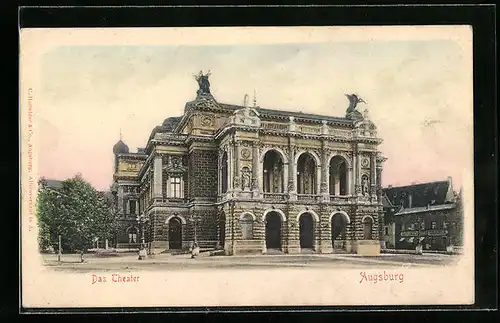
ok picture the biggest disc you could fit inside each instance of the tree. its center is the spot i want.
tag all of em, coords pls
(77, 212)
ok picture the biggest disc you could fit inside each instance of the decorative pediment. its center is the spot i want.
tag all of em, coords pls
(365, 127)
(175, 165)
(246, 116)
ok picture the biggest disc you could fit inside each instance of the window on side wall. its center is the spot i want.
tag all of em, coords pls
(176, 187)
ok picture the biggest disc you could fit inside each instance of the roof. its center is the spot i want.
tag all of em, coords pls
(170, 123)
(287, 114)
(385, 201)
(426, 209)
(54, 184)
(120, 147)
(421, 195)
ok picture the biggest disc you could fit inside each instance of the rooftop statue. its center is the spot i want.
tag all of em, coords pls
(203, 82)
(351, 112)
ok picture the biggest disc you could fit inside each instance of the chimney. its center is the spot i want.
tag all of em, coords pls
(389, 186)
(413, 183)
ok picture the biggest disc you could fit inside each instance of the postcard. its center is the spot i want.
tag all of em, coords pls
(228, 166)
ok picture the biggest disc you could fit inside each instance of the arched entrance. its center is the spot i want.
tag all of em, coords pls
(306, 231)
(338, 225)
(273, 231)
(174, 233)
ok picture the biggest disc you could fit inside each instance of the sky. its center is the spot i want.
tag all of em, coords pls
(413, 91)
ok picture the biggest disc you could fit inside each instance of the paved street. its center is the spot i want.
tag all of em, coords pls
(184, 262)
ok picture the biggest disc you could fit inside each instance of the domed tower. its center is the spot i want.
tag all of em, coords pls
(119, 148)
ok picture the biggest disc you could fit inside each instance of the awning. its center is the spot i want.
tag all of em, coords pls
(402, 239)
(421, 238)
(411, 239)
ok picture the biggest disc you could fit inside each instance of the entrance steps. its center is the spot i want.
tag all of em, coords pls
(273, 252)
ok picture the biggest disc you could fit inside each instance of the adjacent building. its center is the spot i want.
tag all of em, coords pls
(252, 180)
(429, 214)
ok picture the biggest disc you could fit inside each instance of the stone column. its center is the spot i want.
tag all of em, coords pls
(373, 182)
(255, 168)
(324, 172)
(358, 172)
(354, 174)
(286, 175)
(350, 181)
(318, 178)
(157, 175)
(379, 180)
(292, 177)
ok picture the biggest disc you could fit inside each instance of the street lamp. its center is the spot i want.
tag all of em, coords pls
(140, 223)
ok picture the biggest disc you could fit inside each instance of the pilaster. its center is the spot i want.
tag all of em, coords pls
(324, 172)
(255, 169)
(292, 177)
(158, 174)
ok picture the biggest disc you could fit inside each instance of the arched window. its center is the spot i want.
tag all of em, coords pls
(272, 173)
(224, 173)
(338, 176)
(367, 228)
(306, 174)
(246, 223)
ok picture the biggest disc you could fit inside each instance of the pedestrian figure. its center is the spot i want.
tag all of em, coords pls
(195, 250)
(142, 252)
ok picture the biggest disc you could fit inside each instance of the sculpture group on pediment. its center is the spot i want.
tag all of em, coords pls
(203, 82)
(351, 112)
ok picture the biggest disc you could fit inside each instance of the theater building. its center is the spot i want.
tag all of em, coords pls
(251, 180)
(429, 214)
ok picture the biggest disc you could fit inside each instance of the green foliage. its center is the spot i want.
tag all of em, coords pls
(77, 212)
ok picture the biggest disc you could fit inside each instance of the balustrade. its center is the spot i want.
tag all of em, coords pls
(274, 126)
(275, 196)
(309, 197)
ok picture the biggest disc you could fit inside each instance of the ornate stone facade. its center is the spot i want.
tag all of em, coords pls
(253, 180)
